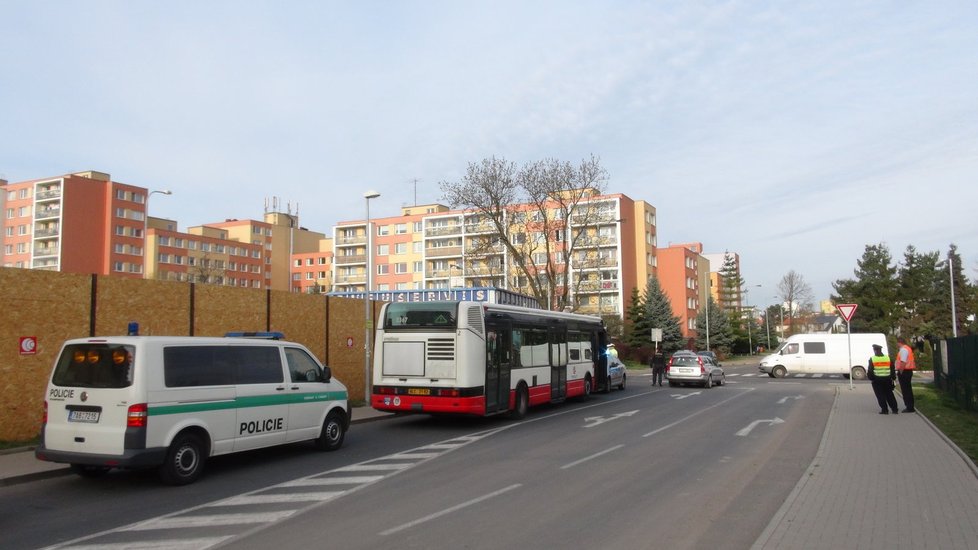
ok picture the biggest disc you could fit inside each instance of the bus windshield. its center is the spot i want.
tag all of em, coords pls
(421, 314)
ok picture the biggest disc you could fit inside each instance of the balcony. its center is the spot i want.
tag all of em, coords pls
(444, 251)
(347, 260)
(351, 241)
(48, 193)
(440, 231)
(44, 232)
(359, 278)
(40, 251)
(46, 213)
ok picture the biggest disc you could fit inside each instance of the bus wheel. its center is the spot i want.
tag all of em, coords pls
(184, 460)
(331, 438)
(522, 403)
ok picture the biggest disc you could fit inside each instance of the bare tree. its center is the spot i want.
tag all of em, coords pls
(532, 209)
(795, 293)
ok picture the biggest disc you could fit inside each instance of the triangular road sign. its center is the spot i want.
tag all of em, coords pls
(847, 310)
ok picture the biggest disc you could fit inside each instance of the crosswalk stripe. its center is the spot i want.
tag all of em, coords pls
(186, 522)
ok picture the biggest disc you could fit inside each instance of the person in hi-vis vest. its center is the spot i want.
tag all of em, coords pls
(905, 365)
(882, 374)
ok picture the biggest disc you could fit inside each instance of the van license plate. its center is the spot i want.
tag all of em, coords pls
(83, 416)
(419, 391)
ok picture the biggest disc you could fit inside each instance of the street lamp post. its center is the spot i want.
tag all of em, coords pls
(368, 317)
(146, 258)
(750, 312)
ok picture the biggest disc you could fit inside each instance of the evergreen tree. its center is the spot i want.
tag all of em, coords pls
(730, 283)
(658, 314)
(873, 289)
(636, 326)
(720, 337)
(918, 292)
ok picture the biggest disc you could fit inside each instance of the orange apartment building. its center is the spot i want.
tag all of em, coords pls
(86, 223)
(79, 223)
(434, 247)
(684, 275)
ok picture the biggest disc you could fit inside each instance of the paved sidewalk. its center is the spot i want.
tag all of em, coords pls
(878, 481)
(20, 466)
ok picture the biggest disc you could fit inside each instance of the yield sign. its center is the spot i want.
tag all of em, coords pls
(846, 310)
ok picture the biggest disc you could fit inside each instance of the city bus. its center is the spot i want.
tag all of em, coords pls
(477, 358)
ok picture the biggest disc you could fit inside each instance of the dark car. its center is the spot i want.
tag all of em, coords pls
(711, 355)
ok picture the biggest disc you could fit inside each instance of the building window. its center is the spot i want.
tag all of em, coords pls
(417, 227)
(400, 248)
(418, 267)
(383, 230)
(400, 268)
(383, 250)
(383, 269)
(10, 213)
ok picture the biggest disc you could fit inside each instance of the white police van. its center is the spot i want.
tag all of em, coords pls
(171, 402)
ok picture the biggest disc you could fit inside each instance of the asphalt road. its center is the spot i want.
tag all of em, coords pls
(647, 467)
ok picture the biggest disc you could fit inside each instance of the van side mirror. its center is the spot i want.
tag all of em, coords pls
(327, 374)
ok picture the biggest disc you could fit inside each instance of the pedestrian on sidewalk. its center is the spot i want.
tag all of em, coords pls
(905, 365)
(881, 373)
(658, 364)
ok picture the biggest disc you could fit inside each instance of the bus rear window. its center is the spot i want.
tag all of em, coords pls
(94, 366)
(420, 314)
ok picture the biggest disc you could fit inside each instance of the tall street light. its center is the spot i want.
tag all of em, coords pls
(368, 318)
(146, 258)
(750, 313)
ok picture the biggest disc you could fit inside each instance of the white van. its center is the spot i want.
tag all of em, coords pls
(823, 354)
(172, 402)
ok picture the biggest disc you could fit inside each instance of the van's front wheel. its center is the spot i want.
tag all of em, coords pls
(779, 372)
(331, 438)
(184, 460)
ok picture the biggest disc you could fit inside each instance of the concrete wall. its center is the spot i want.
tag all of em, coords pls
(54, 307)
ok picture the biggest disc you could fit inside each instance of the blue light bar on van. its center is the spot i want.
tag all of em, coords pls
(263, 335)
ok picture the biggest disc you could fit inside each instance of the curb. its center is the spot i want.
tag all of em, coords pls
(66, 470)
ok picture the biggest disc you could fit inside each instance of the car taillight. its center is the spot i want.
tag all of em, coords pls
(137, 415)
(44, 415)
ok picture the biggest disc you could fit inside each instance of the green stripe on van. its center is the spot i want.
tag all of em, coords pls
(247, 402)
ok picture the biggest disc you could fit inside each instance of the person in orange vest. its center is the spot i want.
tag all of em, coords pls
(905, 365)
(881, 373)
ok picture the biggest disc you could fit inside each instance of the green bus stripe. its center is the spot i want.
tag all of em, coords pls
(247, 402)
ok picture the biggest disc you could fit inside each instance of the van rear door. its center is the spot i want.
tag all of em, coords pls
(89, 398)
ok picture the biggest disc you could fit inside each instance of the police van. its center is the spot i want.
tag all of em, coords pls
(171, 402)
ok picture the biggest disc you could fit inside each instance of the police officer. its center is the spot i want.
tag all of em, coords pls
(882, 374)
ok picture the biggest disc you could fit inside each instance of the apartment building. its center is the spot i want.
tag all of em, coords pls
(684, 275)
(85, 222)
(611, 240)
(80, 223)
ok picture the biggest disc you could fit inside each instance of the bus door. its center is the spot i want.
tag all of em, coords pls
(558, 363)
(599, 350)
(498, 363)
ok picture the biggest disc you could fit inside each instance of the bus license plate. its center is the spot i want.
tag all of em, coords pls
(419, 391)
(83, 416)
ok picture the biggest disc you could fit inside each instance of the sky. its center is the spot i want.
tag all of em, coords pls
(791, 133)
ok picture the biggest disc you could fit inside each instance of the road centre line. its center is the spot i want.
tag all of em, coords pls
(681, 420)
(455, 508)
(595, 455)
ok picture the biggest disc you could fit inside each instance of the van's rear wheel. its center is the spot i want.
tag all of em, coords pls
(89, 471)
(858, 373)
(779, 372)
(184, 461)
(331, 438)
